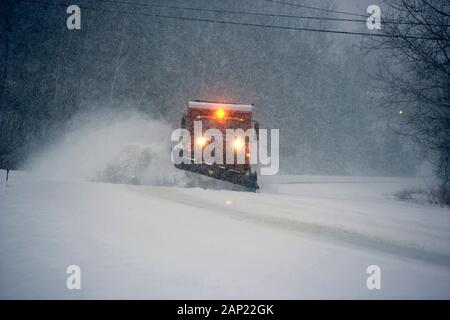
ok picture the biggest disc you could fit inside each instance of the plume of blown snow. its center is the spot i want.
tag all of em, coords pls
(116, 148)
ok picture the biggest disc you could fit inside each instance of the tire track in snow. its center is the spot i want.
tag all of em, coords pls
(297, 226)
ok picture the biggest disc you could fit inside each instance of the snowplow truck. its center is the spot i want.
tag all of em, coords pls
(221, 116)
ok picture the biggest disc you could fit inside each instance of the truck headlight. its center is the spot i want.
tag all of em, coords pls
(238, 144)
(201, 141)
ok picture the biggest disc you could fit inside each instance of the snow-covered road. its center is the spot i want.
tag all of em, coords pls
(300, 237)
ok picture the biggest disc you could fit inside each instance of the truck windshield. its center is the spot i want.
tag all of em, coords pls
(222, 125)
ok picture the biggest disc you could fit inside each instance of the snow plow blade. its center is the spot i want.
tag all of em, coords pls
(243, 178)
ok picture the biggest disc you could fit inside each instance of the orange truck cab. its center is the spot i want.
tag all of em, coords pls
(221, 116)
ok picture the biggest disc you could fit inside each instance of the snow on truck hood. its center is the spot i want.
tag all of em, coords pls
(218, 105)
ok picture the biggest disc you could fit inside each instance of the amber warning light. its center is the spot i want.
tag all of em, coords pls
(220, 114)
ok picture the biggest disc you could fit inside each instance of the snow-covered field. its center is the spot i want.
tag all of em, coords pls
(300, 237)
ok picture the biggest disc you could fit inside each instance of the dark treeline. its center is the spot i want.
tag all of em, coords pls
(416, 79)
(315, 87)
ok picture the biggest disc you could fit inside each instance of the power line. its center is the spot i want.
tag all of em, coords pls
(385, 21)
(233, 22)
(316, 8)
(228, 11)
(263, 14)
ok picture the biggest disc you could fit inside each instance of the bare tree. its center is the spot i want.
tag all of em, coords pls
(416, 70)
